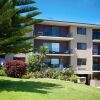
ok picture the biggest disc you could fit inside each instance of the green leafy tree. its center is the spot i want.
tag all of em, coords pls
(36, 61)
(16, 21)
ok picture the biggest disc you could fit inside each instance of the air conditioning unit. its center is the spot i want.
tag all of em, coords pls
(81, 80)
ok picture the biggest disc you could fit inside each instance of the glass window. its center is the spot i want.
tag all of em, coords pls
(95, 49)
(96, 34)
(81, 61)
(52, 46)
(81, 31)
(81, 46)
(47, 31)
(55, 61)
(55, 47)
(55, 31)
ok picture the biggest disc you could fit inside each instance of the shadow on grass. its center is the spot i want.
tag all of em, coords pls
(27, 86)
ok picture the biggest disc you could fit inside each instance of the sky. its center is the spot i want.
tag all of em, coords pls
(83, 11)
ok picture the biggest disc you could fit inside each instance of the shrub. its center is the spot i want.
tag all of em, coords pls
(33, 63)
(36, 62)
(14, 68)
(66, 73)
(54, 73)
(1, 72)
(73, 78)
(28, 75)
(39, 74)
(63, 77)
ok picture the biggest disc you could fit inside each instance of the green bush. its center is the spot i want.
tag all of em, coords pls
(39, 74)
(28, 75)
(36, 62)
(2, 72)
(54, 73)
(73, 78)
(66, 73)
(33, 63)
(63, 77)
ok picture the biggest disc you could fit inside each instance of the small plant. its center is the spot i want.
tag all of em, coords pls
(33, 63)
(73, 78)
(1, 72)
(66, 73)
(15, 68)
(28, 75)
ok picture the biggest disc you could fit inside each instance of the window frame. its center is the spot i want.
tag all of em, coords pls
(81, 30)
(81, 61)
(81, 46)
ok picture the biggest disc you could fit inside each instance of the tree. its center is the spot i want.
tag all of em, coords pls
(36, 61)
(16, 21)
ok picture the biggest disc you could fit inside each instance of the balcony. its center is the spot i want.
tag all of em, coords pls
(68, 52)
(45, 36)
(96, 51)
(96, 36)
(96, 67)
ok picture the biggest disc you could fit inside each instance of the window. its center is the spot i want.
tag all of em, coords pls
(81, 61)
(81, 46)
(52, 46)
(54, 61)
(55, 31)
(81, 31)
(51, 31)
(47, 31)
(55, 47)
(96, 34)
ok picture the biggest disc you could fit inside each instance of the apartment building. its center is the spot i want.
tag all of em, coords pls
(69, 44)
(75, 44)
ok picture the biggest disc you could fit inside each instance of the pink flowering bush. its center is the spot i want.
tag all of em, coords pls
(15, 68)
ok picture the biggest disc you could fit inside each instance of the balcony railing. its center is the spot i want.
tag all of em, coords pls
(54, 35)
(96, 36)
(96, 67)
(69, 51)
(58, 65)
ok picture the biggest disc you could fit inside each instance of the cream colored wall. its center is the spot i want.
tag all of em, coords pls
(82, 53)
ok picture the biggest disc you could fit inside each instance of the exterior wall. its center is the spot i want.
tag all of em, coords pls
(82, 53)
(20, 56)
(9, 56)
(95, 83)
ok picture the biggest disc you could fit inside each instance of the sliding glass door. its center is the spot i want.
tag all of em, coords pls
(52, 46)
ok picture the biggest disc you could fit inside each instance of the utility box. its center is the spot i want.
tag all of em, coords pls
(81, 80)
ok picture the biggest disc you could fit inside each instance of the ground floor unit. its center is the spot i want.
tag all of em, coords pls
(62, 61)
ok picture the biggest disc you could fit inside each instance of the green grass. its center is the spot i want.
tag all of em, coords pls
(45, 89)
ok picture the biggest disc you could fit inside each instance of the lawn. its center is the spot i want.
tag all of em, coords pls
(45, 89)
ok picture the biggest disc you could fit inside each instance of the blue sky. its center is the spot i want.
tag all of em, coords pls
(84, 11)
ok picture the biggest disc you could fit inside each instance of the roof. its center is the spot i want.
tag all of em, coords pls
(67, 23)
